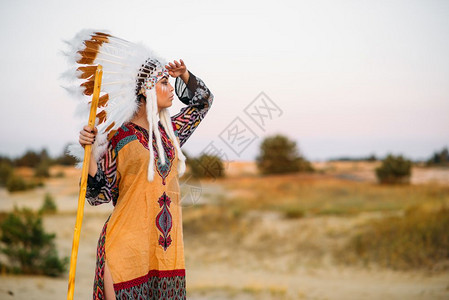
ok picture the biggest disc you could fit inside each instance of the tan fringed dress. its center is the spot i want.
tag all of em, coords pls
(142, 240)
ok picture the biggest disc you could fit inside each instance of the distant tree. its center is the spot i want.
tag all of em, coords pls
(440, 158)
(29, 159)
(5, 159)
(394, 169)
(278, 155)
(445, 155)
(42, 169)
(6, 171)
(372, 157)
(27, 246)
(65, 159)
(43, 156)
(340, 159)
(32, 159)
(206, 166)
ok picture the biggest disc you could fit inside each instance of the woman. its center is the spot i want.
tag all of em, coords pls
(140, 253)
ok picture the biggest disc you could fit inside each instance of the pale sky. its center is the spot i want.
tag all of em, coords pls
(351, 78)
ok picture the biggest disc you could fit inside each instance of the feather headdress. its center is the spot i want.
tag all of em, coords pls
(127, 68)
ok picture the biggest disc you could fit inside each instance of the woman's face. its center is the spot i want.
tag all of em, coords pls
(164, 92)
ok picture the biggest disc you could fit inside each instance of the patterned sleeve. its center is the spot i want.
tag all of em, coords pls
(103, 187)
(198, 99)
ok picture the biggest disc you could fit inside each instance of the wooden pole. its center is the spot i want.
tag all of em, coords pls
(83, 187)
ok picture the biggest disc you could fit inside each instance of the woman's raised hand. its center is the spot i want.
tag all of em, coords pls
(176, 69)
(87, 136)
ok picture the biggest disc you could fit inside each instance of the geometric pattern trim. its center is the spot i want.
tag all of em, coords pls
(155, 285)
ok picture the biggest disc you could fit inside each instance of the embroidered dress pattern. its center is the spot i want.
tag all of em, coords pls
(146, 262)
(164, 221)
(163, 170)
(169, 153)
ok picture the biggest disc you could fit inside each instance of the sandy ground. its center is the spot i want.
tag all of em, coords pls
(226, 270)
(209, 277)
(221, 282)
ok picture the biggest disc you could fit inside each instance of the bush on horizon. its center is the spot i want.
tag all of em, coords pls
(279, 155)
(394, 170)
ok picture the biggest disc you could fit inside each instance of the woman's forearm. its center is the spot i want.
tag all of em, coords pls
(92, 166)
(185, 76)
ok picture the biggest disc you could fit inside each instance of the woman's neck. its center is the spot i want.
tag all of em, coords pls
(141, 123)
(141, 117)
(141, 120)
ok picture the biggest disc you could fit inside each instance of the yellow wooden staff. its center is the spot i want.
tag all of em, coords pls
(83, 187)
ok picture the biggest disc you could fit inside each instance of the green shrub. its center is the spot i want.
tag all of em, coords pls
(6, 171)
(420, 239)
(294, 213)
(60, 174)
(16, 183)
(42, 169)
(29, 249)
(49, 205)
(279, 155)
(394, 169)
(439, 158)
(206, 166)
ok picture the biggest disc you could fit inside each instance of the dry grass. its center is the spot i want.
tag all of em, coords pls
(419, 239)
(305, 219)
(298, 195)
